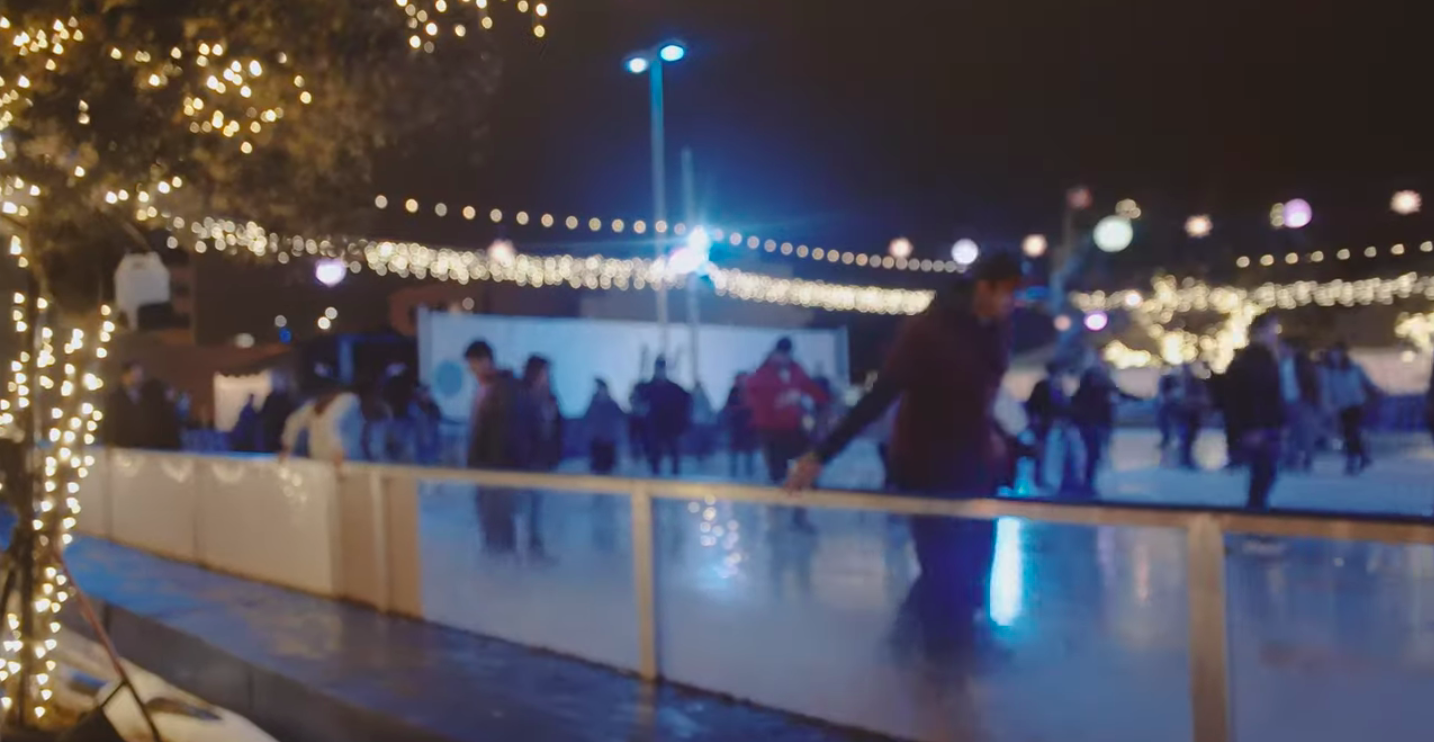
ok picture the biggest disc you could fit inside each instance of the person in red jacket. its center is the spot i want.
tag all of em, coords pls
(775, 393)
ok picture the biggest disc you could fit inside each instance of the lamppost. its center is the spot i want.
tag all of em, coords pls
(652, 61)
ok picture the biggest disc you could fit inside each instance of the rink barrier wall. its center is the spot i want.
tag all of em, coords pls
(352, 533)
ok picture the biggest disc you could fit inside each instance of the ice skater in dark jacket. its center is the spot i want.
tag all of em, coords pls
(1256, 407)
(1092, 409)
(504, 436)
(946, 367)
(1046, 408)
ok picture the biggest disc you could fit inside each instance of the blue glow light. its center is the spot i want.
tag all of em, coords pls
(638, 65)
(700, 243)
(672, 52)
(1007, 591)
(694, 255)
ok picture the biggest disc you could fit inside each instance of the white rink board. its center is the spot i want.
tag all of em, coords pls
(584, 349)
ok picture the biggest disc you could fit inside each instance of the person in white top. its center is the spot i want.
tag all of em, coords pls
(333, 424)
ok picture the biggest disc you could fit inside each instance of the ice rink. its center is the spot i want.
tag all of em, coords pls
(1330, 641)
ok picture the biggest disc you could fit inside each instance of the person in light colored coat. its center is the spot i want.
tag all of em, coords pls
(331, 424)
(1347, 389)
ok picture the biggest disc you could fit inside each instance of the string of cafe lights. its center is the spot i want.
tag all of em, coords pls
(501, 263)
(1319, 256)
(61, 407)
(898, 256)
(1294, 214)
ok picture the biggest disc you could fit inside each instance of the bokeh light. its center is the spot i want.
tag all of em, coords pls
(1298, 214)
(502, 252)
(1406, 203)
(1199, 226)
(965, 252)
(330, 272)
(1113, 234)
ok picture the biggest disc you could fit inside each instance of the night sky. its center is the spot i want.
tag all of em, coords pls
(846, 124)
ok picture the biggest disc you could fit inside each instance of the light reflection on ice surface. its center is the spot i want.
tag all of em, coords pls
(1092, 640)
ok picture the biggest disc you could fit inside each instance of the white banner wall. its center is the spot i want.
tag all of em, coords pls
(582, 350)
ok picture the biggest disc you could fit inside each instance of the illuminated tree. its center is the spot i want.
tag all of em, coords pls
(116, 117)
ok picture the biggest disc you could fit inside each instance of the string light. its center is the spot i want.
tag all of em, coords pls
(736, 239)
(1371, 251)
(501, 263)
(1155, 313)
(61, 379)
(899, 252)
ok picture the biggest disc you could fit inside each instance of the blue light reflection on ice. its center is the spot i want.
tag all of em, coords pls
(1007, 572)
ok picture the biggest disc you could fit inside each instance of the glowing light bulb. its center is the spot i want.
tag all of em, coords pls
(1113, 233)
(1298, 214)
(965, 252)
(1406, 203)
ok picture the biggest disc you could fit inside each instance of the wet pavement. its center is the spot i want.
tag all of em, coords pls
(313, 670)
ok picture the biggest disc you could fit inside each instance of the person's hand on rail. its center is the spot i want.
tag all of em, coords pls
(804, 474)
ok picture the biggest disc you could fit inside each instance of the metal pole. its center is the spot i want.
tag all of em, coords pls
(659, 196)
(694, 283)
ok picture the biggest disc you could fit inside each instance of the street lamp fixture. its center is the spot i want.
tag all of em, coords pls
(672, 52)
(637, 65)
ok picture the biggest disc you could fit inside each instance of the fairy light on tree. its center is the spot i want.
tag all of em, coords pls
(427, 22)
(113, 116)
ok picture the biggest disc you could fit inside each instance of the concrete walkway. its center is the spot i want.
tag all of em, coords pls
(312, 670)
